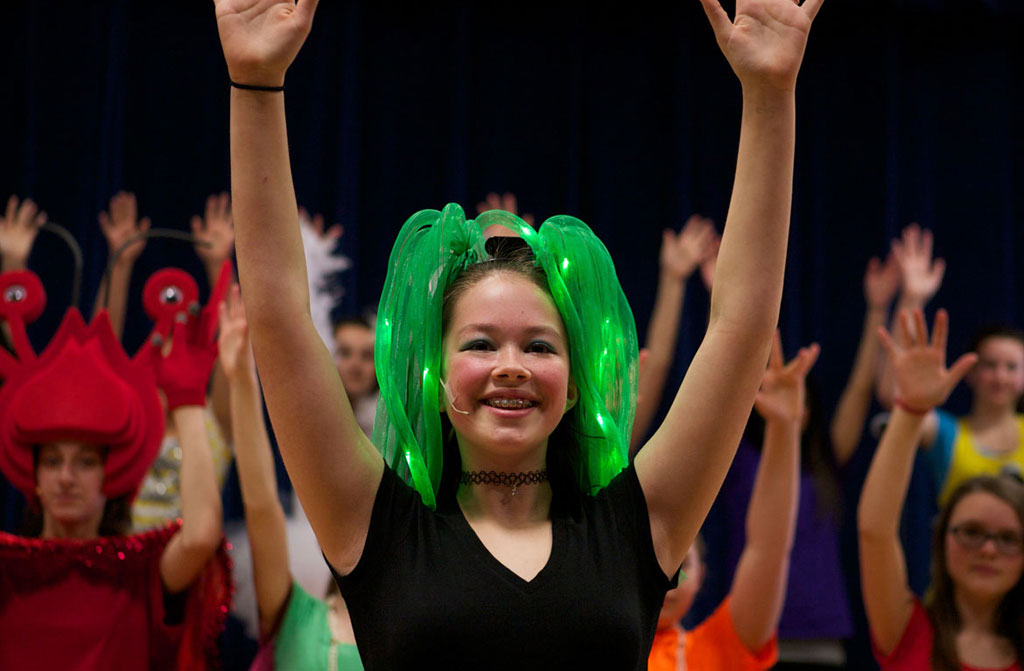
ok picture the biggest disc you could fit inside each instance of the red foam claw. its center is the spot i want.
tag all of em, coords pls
(150, 351)
(184, 373)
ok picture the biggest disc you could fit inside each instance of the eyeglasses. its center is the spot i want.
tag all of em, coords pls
(974, 536)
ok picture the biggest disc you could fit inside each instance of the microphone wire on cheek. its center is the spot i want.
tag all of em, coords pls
(451, 399)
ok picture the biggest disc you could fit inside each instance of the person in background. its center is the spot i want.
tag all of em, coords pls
(307, 566)
(297, 630)
(79, 425)
(694, 247)
(741, 634)
(158, 501)
(353, 354)
(972, 616)
(989, 439)
(816, 618)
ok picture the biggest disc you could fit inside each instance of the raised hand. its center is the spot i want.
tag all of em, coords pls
(882, 281)
(260, 38)
(683, 252)
(234, 350)
(782, 392)
(216, 231)
(922, 275)
(921, 378)
(765, 41)
(18, 230)
(506, 201)
(121, 224)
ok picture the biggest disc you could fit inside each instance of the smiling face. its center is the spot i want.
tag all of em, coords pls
(507, 368)
(998, 377)
(69, 482)
(983, 572)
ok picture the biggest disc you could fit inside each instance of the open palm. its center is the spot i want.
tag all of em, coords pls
(765, 41)
(260, 38)
(783, 389)
(921, 274)
(18, 230)
(235, 353)
(919, 367)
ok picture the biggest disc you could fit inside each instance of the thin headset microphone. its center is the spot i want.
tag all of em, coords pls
(451, 399)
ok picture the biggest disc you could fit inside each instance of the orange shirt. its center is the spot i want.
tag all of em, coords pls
(713, 646)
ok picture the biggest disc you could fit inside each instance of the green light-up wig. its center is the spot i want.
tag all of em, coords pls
(432, 249)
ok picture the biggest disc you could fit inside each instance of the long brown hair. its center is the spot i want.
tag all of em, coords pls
(940, 602)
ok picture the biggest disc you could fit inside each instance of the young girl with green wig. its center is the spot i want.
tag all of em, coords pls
(493, 521)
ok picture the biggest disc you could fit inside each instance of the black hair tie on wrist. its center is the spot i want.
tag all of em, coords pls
(254, 87)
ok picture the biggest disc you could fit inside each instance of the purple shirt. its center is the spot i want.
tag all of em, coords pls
(816, 605)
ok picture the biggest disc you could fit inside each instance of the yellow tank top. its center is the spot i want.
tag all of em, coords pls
(968, 459)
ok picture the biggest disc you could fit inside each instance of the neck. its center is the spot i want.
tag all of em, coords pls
(984, 414)
(74, 531)
(530, 504)
(977, 614)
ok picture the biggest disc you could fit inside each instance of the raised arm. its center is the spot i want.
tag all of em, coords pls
(881, 281)
(681, 254)
(759, 585)
(214, 233)
(920, 278)
(922, 382)
(119, 225)
(682, 466)
(333, 465)
(264, 516)
(182, 375)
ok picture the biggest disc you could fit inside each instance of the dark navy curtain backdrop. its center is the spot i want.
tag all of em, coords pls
(623, 114)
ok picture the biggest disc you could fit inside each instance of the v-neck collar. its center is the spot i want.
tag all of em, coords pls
(479, 550)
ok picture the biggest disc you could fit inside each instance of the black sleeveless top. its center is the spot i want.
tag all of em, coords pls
(426, 593)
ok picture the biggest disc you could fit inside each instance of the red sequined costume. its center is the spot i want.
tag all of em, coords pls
(97, 603)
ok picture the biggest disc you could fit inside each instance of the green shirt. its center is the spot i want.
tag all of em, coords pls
(304, 641)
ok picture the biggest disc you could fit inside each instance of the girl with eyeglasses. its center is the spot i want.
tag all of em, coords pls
(972, 616)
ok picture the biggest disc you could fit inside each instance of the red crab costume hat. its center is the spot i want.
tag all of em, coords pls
(83, 387)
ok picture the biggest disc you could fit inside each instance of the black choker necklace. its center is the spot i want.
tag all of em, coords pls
(513, 480)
